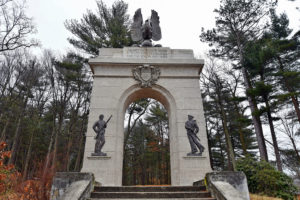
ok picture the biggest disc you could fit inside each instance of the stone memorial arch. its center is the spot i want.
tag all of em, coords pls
(122, 76)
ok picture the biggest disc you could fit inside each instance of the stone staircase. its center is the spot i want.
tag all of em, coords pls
(151, 192)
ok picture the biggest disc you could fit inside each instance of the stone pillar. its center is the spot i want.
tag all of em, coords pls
(177, 88)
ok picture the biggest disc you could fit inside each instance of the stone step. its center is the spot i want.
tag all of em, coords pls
(150, 189)
(150, 195)
(155, 199)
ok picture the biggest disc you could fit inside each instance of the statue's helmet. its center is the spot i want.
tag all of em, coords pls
(190, 117)
(101, 117)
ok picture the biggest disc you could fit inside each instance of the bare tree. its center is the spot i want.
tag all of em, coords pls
(290, 154)
(289, 128)
(15, 26)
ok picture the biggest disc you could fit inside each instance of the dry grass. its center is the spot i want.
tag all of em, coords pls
(257, 197)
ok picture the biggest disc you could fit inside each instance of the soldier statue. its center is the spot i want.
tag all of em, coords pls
(99, 128)
(192, 129)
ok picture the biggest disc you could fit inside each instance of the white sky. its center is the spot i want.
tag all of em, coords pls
(181, 21)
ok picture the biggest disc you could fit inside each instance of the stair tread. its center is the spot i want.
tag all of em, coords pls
(175, 187)
(157, 192)
(151, 195)
(151, 192)
(148, 188)
(154, 199)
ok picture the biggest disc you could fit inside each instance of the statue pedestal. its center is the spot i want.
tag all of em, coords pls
(194, 157)
(101, 167)
(99, 154)
(98, 157)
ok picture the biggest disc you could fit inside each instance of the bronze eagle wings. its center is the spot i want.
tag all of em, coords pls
(146, 31)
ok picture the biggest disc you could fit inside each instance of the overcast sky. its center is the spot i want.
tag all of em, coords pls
(181, 20)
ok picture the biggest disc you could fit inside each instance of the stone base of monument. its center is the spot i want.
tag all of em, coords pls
(228, 185)
(71, 186)
(217, 186)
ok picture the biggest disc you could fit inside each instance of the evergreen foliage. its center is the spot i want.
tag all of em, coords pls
(237, 23)
(264, 179)
(220, 91)
(108, 28)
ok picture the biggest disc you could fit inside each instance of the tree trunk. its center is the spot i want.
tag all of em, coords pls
(256, 120)
(275, 143)
(56, 141)
(127, 134)
(230, 151)
(3, 133)
(17, 134)
(221, 148)
(240, 131)
(28, 155)
(77, 163)
(296, 106)
(231, 159)
(69, 145)
(159, 168)
(295, 148)
(167, 166)
(49, 149)
(253, 107)
(143, 171)
(15, 143)
(209, 145)
(134, 175)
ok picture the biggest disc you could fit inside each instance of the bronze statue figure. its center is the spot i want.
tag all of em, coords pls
(99, 127)
(192, 129)
(147, 31)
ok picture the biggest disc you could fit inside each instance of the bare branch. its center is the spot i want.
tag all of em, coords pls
(15, 26)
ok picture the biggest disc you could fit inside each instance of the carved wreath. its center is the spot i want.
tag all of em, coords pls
(147, 75)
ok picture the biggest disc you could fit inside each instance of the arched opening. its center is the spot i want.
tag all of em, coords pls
(146, 159)
(146, 153)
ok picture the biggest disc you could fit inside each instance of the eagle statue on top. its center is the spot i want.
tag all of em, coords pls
(147, 31)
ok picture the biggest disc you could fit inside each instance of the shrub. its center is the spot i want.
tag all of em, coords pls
(13, 188)
(264, 179)
(8, 174)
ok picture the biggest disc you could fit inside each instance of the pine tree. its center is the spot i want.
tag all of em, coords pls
(109, 28)
(238, 22)
(261, 60)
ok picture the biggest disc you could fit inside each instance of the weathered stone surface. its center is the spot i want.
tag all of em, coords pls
(75, 190)
(161, 192)
(297, 184)
(71, 186)
(147, 75)
(177, 88)
(228, 185)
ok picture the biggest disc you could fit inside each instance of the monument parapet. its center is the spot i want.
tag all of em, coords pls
(138, 55)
